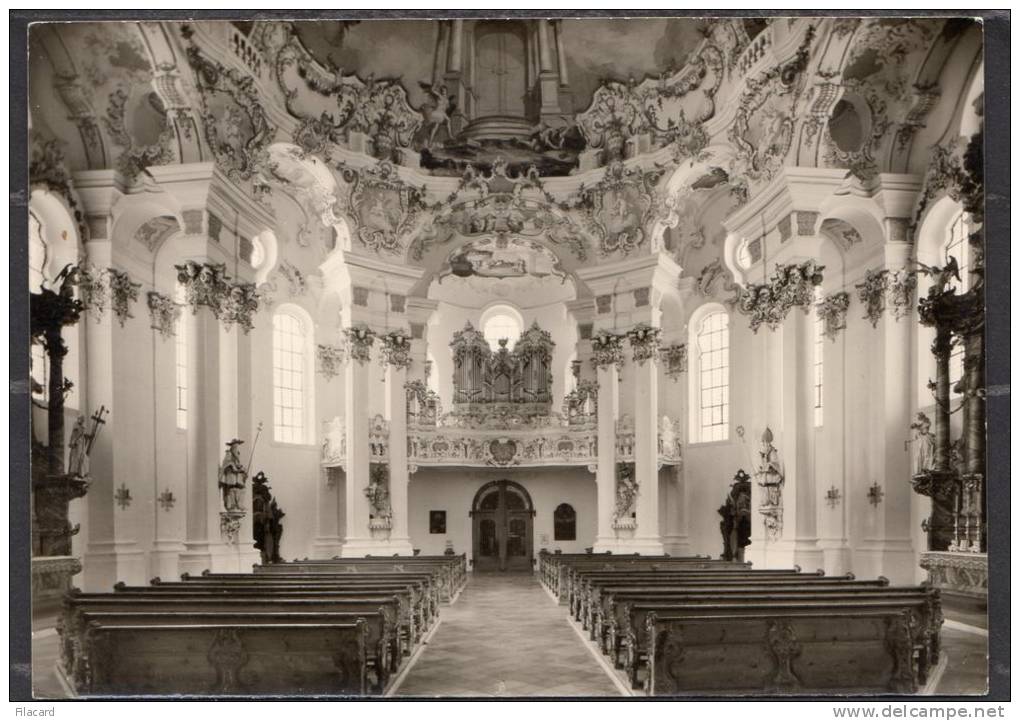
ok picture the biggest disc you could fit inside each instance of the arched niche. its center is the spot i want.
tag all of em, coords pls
(929, 243)
(57, 231)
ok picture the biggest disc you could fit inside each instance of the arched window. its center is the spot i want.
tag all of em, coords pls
(291, 377)
(818, 360)
(958, 247)
(710, 375)
(501, 321)
(36, 254)
(181, 360)
(564, 523)
(40, 373)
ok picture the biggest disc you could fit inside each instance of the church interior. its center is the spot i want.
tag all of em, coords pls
(370, 356)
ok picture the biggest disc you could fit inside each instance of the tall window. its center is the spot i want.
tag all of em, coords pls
(501, 322)
(958, 246)
(181, 360)
(713, 379)
(289, 378)
(819, 356)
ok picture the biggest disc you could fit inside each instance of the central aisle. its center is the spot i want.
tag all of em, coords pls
(505, 636)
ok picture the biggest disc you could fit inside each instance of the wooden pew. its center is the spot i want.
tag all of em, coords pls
(71, 624)
(378, 642)
(425, 592)
(580, 583)
(224, 659)
(919, 603)
(452, 568)
(837, 651)
(408, 615)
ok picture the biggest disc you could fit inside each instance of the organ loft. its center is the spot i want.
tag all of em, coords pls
(645, 342)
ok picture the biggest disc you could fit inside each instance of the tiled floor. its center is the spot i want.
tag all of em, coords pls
(505, 637)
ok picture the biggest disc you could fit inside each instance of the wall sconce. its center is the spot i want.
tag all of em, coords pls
(875, 494)
(832, 497)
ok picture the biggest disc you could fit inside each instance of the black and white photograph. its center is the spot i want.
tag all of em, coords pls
(503, 355)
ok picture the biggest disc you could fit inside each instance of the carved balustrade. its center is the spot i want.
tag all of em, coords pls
(499, 440)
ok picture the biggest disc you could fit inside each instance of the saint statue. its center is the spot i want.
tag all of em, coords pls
(924, 445)
(78, 450)
(770, 470)
(266, 515)
(232, 476)
(736, 518)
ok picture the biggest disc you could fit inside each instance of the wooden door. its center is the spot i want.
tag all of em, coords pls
(503, 523)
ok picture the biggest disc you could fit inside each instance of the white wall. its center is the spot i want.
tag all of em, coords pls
(453, 490)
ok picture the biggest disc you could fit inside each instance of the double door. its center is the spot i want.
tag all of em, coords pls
(503, 524)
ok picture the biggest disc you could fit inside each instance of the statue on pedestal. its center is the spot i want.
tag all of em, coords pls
(736, 518)
(924, 448)
(232, 477)
(770, 478)
(266, 515)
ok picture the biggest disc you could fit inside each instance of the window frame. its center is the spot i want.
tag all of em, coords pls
(307, 435)
(696, 429)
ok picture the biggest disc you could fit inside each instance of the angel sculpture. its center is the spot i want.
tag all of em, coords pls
(437, 109)
(941, 276)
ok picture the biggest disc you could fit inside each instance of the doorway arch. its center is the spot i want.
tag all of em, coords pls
(503, 523)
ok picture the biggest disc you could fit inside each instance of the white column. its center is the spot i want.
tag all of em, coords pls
(830, 460)
(205, 448)
(561, 53)
(799, 501)
(605, 475)
(544, 49)
(399, 541)
(646, 455)
(357, 541)
(898, 562)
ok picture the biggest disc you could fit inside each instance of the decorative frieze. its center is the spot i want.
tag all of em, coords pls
(163, 312)
(359, 342)
(790, 286)
(644, 342)
(396, 349)
(330, 358)
(607, 350)
(674, 360)
(832, 311)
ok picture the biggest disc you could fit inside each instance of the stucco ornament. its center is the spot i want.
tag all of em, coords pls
(396, 349)
(832, 311)
(871, 293)
(621, 206)
(163, 312)
(383, 207)
(607, 349)
(644, 342)
(359, 342)
(674, 360)
(330, 358)
(123, 292)
(790, 286)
